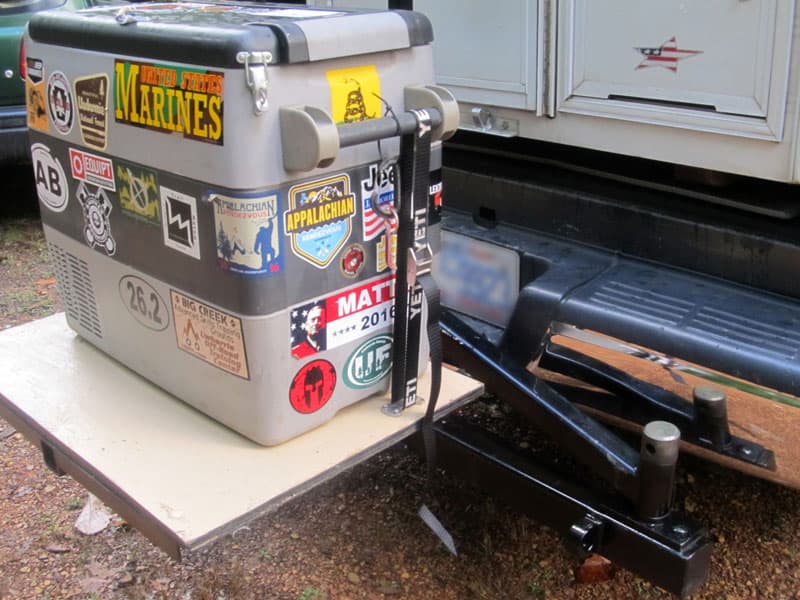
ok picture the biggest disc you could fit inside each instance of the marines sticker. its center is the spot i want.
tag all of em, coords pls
(35, 95)
(249, 240)
(91, 95)
(97, 227)
(59, 101)
(318, 220)
(138, 192)
(51, 181)
(169, 99)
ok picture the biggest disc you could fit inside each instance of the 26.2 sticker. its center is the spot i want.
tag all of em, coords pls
(144, 303)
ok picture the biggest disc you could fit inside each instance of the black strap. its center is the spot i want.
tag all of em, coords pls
(435, 341)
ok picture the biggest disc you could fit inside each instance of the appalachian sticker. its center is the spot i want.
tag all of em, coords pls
(169, 99)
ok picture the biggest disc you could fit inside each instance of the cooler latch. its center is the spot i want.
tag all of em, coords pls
(256, 77)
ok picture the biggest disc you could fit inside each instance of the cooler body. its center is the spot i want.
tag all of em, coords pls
(182, 247)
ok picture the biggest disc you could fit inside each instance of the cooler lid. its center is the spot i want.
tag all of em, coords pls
(213, 32)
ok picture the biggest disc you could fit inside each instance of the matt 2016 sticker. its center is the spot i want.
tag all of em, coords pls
(249, 240)
(97, 226)
(60, 103)
(312, 386)
(91, 95)
(51, 181)
(169, 99)
(377, 194)
(35, 95)
(355, 94)
(369, 363)
(209, 334)
(318, 219)
(179, 222)
(91, 168)
(144, 303)
(138, 192)
(341, 318)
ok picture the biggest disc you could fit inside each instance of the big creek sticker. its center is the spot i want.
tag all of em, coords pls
(209, 334)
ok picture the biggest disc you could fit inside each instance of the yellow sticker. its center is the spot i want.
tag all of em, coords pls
(355, 94)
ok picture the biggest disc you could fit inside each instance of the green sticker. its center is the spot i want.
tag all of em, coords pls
(138, 192)
(369, 363)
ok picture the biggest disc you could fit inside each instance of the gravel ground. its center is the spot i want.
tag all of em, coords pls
(357, 536)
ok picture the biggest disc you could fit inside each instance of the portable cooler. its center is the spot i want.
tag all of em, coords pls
(182, 245)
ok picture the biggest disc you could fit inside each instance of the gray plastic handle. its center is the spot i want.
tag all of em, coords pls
(310, 138)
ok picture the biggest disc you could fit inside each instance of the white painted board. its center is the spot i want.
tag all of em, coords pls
(177, 475)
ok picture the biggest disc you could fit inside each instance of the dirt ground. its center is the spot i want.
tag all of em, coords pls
(357, 536)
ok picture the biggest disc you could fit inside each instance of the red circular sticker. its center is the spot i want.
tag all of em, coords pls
(352, 260)
(312, 386)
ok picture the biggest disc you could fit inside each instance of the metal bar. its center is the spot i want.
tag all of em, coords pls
(402, 123)
(643, 402)
(673, 553)
(590, 443)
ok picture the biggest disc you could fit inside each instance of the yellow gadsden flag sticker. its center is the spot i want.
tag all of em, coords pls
(355, 94)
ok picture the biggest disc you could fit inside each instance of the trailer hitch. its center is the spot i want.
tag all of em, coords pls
(703, 422)
(642, 481)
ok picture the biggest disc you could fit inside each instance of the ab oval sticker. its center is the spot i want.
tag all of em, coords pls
(144, 303)
(369, 363)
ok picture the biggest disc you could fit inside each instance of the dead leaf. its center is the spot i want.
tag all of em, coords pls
(46, 282)
(595, 569)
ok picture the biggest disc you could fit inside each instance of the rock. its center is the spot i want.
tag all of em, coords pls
(125, 581)
(595, 569)
(389, 588)
(353, 578)
(57, 549)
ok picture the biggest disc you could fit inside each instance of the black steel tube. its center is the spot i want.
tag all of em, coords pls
(371, 130)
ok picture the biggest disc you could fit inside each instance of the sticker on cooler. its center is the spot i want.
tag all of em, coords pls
(477, 278)
(91, 95)
(376, 190)
(91, 168)
(51, 181)
(318, 219)
(369, 363)
(169, 99)
(355, 94)
(35, 95)
(59, 102)
(209, 334)
(312, 386)
(138, 192)
(249, 240)
(342, 317)
(179, 222)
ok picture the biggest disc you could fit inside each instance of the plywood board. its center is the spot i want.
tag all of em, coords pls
(179, 476)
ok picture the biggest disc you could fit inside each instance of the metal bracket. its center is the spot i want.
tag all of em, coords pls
(256, 77)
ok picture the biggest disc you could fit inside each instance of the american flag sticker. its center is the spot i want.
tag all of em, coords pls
(665, 56)
(376, 189)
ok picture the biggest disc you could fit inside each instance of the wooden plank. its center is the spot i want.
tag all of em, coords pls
(180, 477)
(771, 419)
